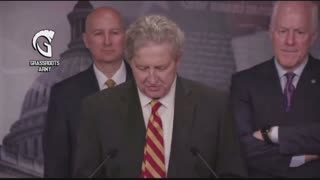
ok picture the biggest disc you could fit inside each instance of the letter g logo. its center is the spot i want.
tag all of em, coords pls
(48, 34)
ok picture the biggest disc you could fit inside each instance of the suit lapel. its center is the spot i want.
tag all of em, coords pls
(90, 83)
(129, 75)
(274, 86)
(270, 88)
(182, 124)
(309, 76)
(134, 133)
(306, 87)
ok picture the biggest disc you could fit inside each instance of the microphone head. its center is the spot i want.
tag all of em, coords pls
(194, 151)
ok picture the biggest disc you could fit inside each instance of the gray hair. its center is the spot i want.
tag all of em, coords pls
(156, 29)
(314, 11)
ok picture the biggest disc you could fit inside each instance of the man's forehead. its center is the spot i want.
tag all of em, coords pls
(97, 18)
(104, 11)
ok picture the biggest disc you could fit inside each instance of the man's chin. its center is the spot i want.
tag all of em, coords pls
(289, 65)
(110, 60)
(154, 94)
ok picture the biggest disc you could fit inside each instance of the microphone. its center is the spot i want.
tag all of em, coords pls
(111, 154)
(196, 153)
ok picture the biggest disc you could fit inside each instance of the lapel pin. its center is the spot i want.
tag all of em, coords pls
(313, 81)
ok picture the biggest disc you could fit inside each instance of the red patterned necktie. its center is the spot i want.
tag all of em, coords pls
(153, 163)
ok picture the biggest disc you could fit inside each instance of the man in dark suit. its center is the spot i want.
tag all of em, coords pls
(276, 103)
(104, 37)
(159, 124)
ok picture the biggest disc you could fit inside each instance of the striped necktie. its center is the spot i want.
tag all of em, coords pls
(289, 90)
(153, 163)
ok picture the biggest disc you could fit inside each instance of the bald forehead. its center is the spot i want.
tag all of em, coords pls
(300, 4)
(305, 9)
(101, 12)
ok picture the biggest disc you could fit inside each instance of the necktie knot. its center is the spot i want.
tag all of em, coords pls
(110, 83)
(290, 76)
(155, 105)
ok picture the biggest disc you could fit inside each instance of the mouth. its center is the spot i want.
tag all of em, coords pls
(108, 51)
(289, 50)
(153, 88)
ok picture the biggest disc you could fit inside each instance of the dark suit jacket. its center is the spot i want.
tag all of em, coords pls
(112, 119)
(62, 121)
(258, 101)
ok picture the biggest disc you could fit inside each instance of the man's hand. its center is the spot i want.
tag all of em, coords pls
(258, 135)
(311, 157)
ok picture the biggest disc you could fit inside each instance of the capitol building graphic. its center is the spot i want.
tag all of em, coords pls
(21, 151)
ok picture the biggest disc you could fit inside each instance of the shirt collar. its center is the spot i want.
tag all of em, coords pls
(297, 71)
(166, 101)
(119, 77)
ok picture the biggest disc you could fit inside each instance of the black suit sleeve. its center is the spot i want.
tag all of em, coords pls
(260, 156)
(231, 162)
(55, 138)
(88, 148)
(302, 139)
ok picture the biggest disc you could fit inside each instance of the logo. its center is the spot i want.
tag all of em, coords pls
(46, 64)
(48, 35)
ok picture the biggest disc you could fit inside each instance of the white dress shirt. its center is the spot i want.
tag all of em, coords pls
(274, 133)
(118, 77)
(166, 113)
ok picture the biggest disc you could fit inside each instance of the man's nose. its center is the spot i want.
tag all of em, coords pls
(290, 38)
(107, 39)
(152, 76)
